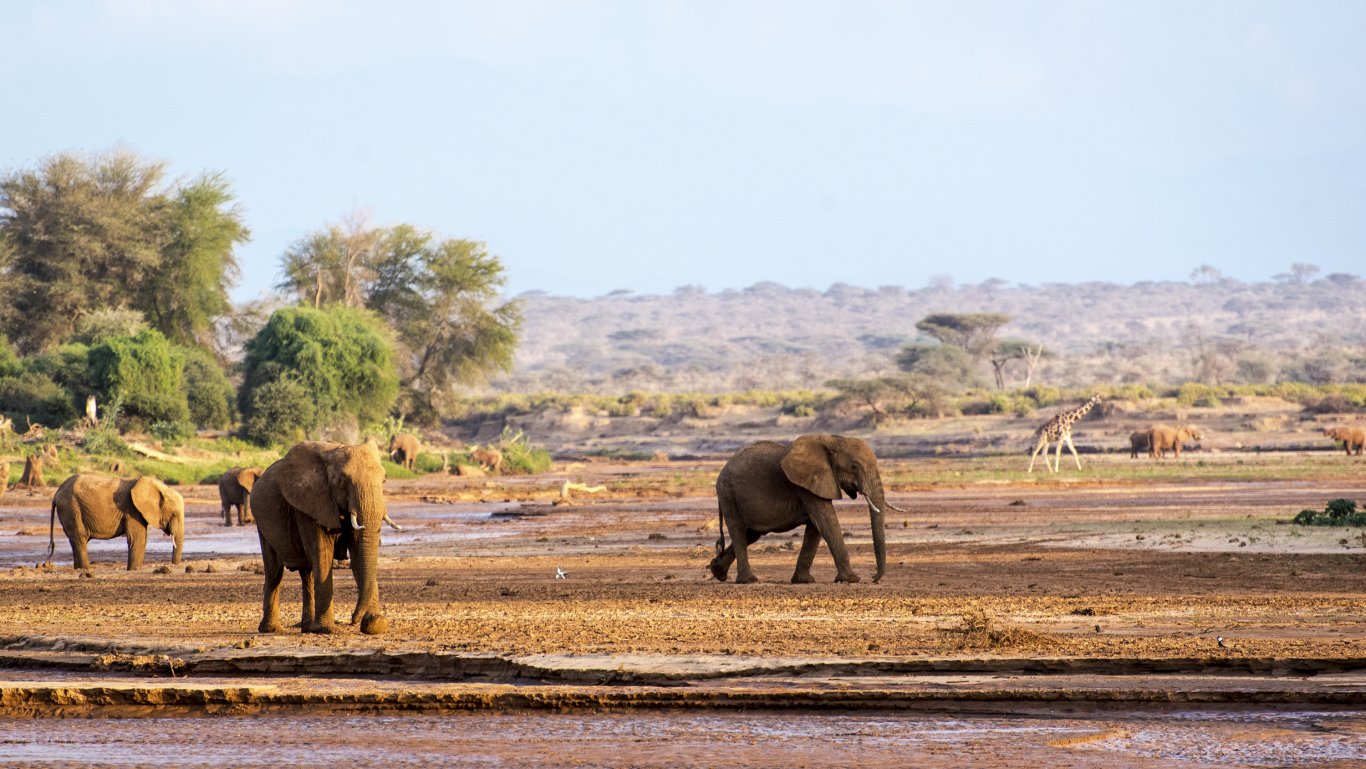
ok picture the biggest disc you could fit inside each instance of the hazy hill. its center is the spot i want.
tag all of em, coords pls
(769, 336)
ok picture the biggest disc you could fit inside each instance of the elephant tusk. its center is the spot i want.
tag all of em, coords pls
(894, 507)
(390, 521)
(355, 523)
(872, 506)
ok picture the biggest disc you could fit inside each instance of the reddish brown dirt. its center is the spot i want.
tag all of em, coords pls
(1123, 571)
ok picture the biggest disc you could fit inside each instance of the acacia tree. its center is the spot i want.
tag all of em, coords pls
(440, 298)
(80, 232)
(973, 332)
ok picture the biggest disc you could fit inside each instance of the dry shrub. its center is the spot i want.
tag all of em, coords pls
(979, 631)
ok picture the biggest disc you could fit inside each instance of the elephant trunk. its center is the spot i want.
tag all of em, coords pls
(177, 538)
(365, 562)
(877, 506)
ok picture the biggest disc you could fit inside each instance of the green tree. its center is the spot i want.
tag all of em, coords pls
(951, 367)
(342, 358)
(208, 393)
(439, 296)
(189, 288)
(973, 332)
(79, 233)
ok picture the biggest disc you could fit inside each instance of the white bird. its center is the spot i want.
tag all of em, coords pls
(1220, 641)
(561, 573)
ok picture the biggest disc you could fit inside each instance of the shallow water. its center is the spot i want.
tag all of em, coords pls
(1258, 738)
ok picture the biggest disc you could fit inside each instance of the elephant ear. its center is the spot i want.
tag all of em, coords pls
(247, 478)
(146, 496)
(303, 480)
(807, 464)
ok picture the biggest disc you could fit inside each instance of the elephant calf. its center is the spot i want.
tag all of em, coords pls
(96, 507)
(1353, 438)
(234, 490)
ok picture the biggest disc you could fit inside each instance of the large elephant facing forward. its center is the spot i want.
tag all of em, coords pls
(1163, 437)
(319, 500)
(96, 507)
(773, 487)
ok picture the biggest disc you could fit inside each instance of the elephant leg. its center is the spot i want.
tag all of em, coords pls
(80, 556)
(308, 605)
(825, 520)
(720, 565)
(739, 543)
(1073, 449)
(811, 540)
(137, 545)
(270, 604)
(227, 514)
(244, 515)
(321, 546)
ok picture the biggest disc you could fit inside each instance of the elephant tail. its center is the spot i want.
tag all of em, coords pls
(52, 531)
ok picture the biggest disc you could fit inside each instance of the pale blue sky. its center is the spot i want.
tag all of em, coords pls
(648, 145)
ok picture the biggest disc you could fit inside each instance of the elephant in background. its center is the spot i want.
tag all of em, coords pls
(490, 459)
(1139, 441)
(1352, 437)
(319, 501)
(97, 507)
(403, 449)
(1163, 437)
(234, 490)
(772, 487)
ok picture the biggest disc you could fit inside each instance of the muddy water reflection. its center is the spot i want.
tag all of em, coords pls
(679, 739)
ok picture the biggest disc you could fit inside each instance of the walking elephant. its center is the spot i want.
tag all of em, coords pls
(234, 490)
(1163, 437)
(403, 450)
(1353, 438)
(490, 459)
(772, 487)
(319, 501)
(96, 507)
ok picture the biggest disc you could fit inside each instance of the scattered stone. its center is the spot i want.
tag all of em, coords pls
(1085, 611)
(431, 583)
(1018, 503)
(162, 569)
(188, 569)
(245, 643)
(210, 569)
(87, 574)
(654, 535)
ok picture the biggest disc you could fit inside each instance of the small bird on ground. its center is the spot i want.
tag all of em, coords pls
(561, 573)
(1220, 641)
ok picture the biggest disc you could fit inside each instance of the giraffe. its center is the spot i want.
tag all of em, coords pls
(1059, 429)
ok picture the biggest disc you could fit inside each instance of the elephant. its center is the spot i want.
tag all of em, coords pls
(403, 450)
(1139, 441)
(490, 459)
(775, 487)
(1163, 437)
(97, 507)
(1353, 438)
(320, 501)
(234, 490)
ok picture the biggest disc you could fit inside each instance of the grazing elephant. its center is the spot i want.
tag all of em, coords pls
(491, 459)
(1353, 438)
(1163, 437)
(234, 490)
(403, 450)
(319, 501)
(774, 487)
(97, 507)
(1138, 441)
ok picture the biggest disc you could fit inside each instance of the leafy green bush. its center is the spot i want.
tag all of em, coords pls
(427, 463)
(339, 359)
(278, 412)
(1338, 512)
(105, 442)
(34, 398)
(145, 372)
(1042, 396)
(171, 433)
(209, 394)
(519, 456)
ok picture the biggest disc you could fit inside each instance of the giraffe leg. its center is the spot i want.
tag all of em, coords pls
(1074, 451)
(1057, 457)
(1042, 445)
